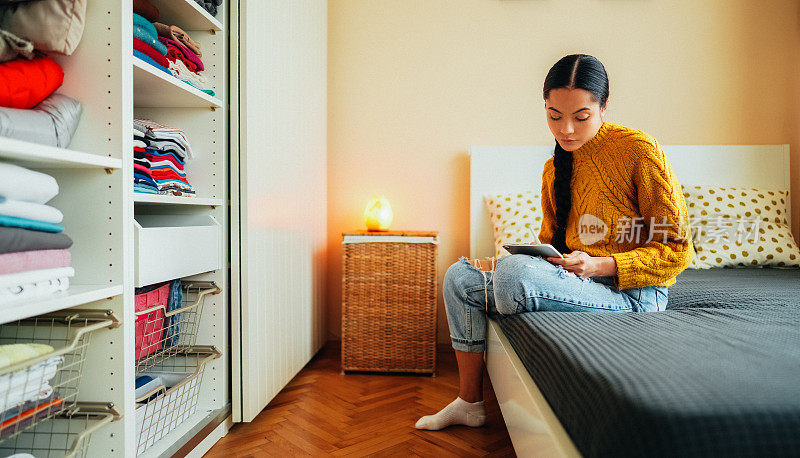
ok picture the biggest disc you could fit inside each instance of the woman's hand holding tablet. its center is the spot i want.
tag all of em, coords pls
(543, 250)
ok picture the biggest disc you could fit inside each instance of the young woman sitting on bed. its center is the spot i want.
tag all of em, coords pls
(602, 175)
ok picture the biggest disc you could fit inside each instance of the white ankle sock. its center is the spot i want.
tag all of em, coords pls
(458, 412)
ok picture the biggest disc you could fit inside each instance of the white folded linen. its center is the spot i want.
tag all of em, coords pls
(33, 284)
(19, 183)
(183, 73)
(27, 291)
(33, 276)
(9, 296)
(30, 210)
(33, 391)
(28, 384)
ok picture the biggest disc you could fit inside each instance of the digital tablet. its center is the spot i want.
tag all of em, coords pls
(543, 250)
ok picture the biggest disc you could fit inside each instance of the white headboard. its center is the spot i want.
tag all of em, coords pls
(502, 169)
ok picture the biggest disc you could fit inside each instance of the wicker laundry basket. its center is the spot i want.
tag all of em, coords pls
(389, 291)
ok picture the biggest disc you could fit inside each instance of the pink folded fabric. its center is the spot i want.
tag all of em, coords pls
(23, 261)
(187, 53)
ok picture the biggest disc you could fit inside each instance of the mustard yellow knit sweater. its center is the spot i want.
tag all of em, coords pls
(627, 204)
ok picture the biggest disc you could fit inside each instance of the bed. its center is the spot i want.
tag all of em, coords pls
(721, 370)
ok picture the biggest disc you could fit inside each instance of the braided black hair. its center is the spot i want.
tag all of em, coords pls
(576, 71)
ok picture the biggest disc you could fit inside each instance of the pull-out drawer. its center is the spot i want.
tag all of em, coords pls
(175, 246)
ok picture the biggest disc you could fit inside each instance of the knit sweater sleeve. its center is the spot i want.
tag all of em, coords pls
(548, 204)
(667, 249)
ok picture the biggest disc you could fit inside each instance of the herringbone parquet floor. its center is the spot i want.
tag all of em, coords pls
(323, 413)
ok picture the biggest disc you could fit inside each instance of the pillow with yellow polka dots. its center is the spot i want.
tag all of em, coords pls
(738, 227)
(516, 218)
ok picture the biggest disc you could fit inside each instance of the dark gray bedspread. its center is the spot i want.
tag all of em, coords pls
(718, 374)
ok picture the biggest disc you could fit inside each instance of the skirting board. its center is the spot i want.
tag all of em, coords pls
(218, 433)
(533, 427)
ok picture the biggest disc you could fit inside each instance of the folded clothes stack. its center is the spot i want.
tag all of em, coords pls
(34, 256)
(142, 177)
(30, 109)
(26, 395)
(167, 47)
(160, 154)
(146, 45)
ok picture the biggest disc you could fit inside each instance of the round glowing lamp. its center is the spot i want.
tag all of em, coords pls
(378, 214)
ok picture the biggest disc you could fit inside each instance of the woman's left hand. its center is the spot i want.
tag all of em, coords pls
(583, 265)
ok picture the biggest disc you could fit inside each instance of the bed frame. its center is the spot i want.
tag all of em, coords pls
(533, 427)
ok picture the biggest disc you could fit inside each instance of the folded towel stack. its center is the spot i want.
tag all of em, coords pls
(34, 255)
(160, 154)
(26, 395)
(167, 47)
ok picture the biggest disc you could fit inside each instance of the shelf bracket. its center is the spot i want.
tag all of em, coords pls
(109, 171)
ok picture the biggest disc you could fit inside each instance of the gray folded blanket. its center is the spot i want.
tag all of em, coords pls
(52, 122)
(14, 239)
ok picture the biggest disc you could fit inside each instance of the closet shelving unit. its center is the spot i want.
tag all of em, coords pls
(97, 213)
(186, 237)
(105, 218)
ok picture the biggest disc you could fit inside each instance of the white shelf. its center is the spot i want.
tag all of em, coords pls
(33, 155)
(186, 14)
(174, 200)
(74, 296)
(154, 88)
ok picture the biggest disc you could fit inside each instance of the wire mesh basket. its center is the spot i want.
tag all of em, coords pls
(162, 333)
(67, 434)
(47, 355)
(163, 408)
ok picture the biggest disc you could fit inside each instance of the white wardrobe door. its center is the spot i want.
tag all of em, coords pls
(278, 321)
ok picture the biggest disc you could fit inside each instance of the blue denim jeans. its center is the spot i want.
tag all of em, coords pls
(522, 283)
